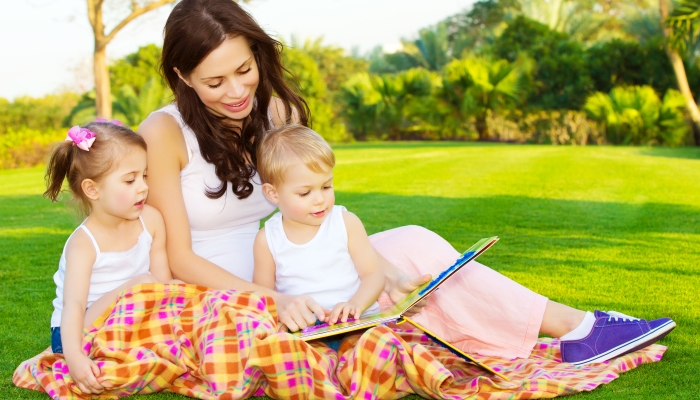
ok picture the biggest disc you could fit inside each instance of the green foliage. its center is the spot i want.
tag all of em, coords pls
(561, 73)
(47, 112)
(135, 107)
(626, 63)
(27, 147)
(137, 69)
(388, 106)
(635, 115)
(307, 78)
(474, 87)
(684, 23)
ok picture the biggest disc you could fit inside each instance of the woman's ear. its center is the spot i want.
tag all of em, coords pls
(90, 189)
(270, 193)
(177, 71)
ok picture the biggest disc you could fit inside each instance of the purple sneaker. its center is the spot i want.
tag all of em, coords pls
(614, 336)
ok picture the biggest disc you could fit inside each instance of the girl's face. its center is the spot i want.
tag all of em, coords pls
(122, 193)
(227, 78)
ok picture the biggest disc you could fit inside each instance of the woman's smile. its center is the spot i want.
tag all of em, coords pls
(238, 106)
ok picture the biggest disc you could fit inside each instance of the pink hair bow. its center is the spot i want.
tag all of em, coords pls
(111, 121)
(81, 137)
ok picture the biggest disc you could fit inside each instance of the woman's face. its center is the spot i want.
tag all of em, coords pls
(227, 78)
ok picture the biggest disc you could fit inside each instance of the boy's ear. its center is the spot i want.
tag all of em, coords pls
(270, 193)
(90, 189)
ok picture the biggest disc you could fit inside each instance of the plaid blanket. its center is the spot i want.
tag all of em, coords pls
(222, 344)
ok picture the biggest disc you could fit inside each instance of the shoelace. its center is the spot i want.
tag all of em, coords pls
(622, 319)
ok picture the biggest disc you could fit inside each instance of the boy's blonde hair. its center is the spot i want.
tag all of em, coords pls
(284, 146)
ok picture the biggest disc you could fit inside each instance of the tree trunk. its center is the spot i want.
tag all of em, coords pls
(482, 127)
(103, 95)
(681, 77)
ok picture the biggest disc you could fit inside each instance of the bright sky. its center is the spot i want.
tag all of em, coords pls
(46, 45)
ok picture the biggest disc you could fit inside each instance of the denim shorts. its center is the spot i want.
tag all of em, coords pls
(56, 344)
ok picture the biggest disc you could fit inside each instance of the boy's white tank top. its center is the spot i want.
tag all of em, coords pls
(223, 230)
(321, 268)
(110, 270)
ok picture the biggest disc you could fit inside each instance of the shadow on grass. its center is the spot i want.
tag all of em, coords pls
(692, 153)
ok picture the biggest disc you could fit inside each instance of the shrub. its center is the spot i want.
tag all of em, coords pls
(27, 147)
(635, 115)
(545, 127)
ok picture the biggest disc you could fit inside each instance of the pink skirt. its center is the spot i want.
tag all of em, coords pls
(479, 310)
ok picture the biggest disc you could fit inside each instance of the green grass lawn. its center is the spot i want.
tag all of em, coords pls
(592, 227)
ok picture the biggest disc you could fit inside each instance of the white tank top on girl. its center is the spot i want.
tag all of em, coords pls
(223, 230)
(321, 268)
(110, 270)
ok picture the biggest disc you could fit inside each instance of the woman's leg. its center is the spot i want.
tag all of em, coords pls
(484, 312)
(560, 319)
(479, 311)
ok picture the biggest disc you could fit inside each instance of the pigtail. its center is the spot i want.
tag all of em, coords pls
(58, 168)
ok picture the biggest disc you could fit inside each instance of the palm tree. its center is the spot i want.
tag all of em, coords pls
(635, 115)
(136, 107)
(473, 87)
(680, 27)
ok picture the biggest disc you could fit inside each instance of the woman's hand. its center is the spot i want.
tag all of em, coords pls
(400, 285)
(297, 312)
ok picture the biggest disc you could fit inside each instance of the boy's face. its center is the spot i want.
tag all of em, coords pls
(305, 197)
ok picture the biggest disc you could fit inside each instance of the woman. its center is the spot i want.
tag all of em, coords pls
(224, 69)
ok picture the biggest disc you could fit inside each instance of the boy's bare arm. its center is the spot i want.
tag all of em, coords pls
(264, 272)
(366, 263)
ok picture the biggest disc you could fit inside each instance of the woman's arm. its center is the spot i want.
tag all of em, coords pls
(158, 255)
(367, 265)
(167, 155)
(80, 257)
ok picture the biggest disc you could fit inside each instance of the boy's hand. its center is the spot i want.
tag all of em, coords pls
(342, 311)
(84, 372)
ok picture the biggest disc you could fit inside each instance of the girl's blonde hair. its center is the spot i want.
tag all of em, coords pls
(112, 143)
(284, 146)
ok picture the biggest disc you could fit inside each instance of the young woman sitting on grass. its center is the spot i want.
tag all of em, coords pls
(120, 244)
(223, 70)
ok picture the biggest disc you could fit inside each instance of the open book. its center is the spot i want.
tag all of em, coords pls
(396, 314)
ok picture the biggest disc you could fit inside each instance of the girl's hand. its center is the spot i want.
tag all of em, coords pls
(84, 372)
(401, 285)
(342, 311)
(297, 312)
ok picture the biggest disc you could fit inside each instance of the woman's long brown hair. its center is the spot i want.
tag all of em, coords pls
(193, 30)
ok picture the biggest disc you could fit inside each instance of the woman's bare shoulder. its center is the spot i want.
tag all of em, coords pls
(163, 135)
(159, 125)
(279, 113)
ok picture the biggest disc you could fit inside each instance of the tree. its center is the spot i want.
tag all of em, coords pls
(479, 86)
(680, 27)
(562, 77)
(103, 98)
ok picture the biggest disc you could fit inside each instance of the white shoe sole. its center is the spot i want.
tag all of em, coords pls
(638, 343)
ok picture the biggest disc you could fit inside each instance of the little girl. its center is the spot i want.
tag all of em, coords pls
(120, 244)
(312, 246)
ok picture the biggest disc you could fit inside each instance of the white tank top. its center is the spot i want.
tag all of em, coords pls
(110, 270)
(321, 268)
(223, 230)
